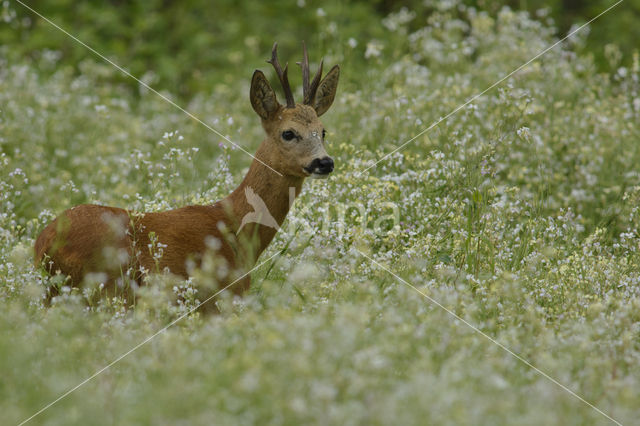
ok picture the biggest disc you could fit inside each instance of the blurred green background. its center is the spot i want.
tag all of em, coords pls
(185, 47)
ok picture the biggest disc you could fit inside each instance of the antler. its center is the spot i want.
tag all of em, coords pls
(282, 75)
(309, 90)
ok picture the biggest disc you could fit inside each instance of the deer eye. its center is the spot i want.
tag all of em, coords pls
(324, 133)
(288, 135)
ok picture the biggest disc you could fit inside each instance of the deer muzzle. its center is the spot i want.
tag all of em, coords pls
(320, 168)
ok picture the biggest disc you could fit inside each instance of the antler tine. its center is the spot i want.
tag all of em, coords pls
(282, 75)
(305, 73)
(309, 90)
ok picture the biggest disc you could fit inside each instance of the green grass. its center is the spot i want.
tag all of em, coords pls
(519, 213)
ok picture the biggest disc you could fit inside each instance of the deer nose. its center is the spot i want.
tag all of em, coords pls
(325, 165)
(320, 167)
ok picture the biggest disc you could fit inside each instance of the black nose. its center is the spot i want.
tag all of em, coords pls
(320, 166)
(325, 165)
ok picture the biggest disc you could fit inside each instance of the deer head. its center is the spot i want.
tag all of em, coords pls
(295, 136)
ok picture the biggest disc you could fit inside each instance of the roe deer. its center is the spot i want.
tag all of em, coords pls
(98, 239)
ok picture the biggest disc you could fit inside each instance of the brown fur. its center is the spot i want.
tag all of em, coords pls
(98, 239)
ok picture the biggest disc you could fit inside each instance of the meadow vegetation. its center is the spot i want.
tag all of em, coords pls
(520, 213)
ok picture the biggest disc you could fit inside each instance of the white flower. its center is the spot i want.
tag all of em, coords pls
(374, 49)
(524, 133)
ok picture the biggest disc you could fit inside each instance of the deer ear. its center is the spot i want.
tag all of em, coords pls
(326, 91)
(263, 98)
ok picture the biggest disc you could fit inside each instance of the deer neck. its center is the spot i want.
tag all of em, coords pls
(277, 192)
